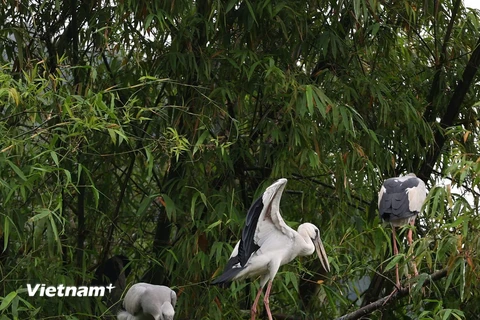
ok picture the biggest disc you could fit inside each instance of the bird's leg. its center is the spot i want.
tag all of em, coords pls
(410, 241)
(266, 301)
(395, 252)
(253, 311)
(410, 232)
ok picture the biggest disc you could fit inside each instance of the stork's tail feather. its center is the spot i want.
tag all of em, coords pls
(227, 277)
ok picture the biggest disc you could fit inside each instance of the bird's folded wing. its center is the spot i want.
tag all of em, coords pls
(173, 297)
(417, 196)
(131, 303)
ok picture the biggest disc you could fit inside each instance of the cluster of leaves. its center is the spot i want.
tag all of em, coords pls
(147, 128)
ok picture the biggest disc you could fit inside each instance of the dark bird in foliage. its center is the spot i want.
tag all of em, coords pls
(113, 271)
(267, 243)
(399, 201)
(145, 301)
(115, 268)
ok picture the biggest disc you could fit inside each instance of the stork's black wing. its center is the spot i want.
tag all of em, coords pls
(394, 201)
(247, 243)
(246, 247)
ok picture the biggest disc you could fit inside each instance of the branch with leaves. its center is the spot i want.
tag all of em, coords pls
(381, 303)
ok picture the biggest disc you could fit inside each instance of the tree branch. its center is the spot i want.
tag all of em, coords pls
(116, 213)
(380, 303)
(326, 185)
(451, 113)
(439, 64)
(376, 305)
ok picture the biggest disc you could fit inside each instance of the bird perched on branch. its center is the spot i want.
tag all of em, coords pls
(145, 301)
(399, 201)
(267, 243)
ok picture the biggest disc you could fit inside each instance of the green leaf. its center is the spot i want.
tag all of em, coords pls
(42, 213)
(394, 261)
(250, 9)
(150, 162)
(462, 283)
(6, 233)
(309, 97)
(54, 230)
(17, 170)
(15, 307)
(112, 135)
(213, 225)
(420, 281)
(446, 314)
(170, 207)
(143, 206)
(53, 154)
(7, 300)
(148, 20)
(200, 141)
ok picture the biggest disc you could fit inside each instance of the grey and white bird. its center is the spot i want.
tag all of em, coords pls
(400, 200)
(145, 301)
(267, 243)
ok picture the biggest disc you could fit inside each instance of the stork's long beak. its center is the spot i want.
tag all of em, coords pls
(322, 255)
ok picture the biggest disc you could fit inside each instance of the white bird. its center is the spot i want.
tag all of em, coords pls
(399, 201)
(145, 301)
(267, 243)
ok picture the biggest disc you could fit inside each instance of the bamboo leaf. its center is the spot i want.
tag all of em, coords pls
(54, 156)
(42, 213)
(17, 170)
(395, 260)
(7, 300)
(170, 207)
(309, 97)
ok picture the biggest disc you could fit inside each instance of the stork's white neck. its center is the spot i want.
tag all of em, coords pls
(305, 242)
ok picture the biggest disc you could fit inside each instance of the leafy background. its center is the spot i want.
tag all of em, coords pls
(146, 129)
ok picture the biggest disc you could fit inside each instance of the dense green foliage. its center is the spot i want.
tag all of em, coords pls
(147, 129)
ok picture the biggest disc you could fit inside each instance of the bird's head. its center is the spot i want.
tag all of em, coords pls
(167, 311)
(313, 233)
(273, 194)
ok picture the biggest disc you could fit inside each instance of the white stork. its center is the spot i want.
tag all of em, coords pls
(267, 243)
(399, 201)
(145, 301)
